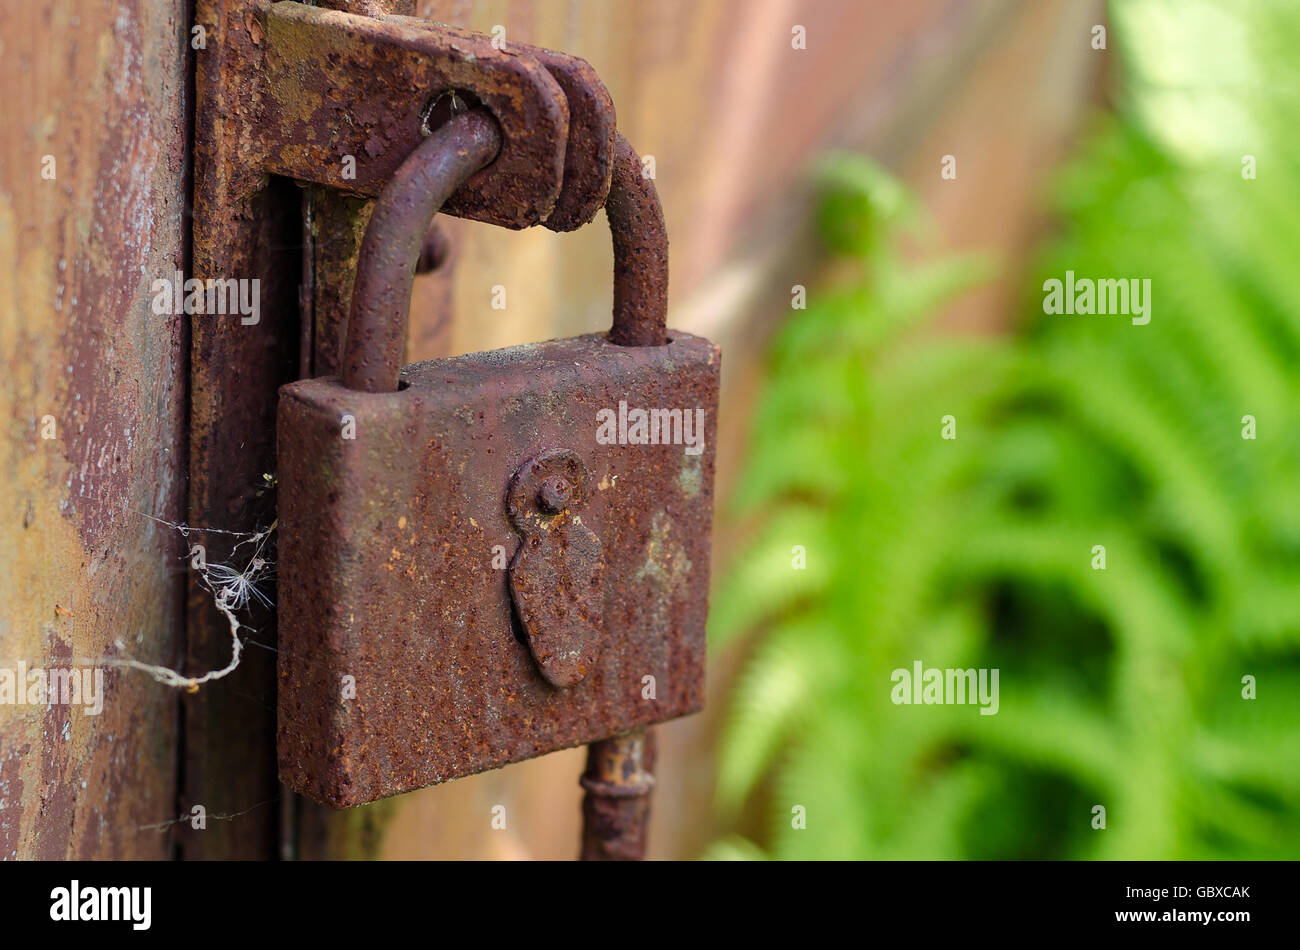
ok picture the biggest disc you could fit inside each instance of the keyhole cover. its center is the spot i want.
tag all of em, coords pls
(555, 576)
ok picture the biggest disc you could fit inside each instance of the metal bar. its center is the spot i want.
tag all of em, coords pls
(636, 224)
(616, 808)
(381, 293)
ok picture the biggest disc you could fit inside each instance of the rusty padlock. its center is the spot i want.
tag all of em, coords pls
(499, 555)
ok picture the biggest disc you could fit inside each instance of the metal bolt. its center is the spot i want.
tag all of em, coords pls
(555, 493)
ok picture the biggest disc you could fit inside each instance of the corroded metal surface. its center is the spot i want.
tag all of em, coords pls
(93, 184)
(616, 808)
(394, 550)
(381, 292)
(245, 228)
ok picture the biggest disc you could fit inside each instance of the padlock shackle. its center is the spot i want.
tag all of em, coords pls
(381, 293)
(636, 224)
(455, 152)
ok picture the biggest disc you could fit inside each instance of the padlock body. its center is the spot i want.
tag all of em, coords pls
(401, 661)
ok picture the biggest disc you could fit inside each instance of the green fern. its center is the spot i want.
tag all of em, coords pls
(1120, 687)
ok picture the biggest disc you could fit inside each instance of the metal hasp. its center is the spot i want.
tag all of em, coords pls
(492, 557)
(339, 99)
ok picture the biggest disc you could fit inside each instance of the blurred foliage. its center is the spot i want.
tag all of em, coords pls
(1120, 687)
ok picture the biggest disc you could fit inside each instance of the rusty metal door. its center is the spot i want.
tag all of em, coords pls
(94, 171)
